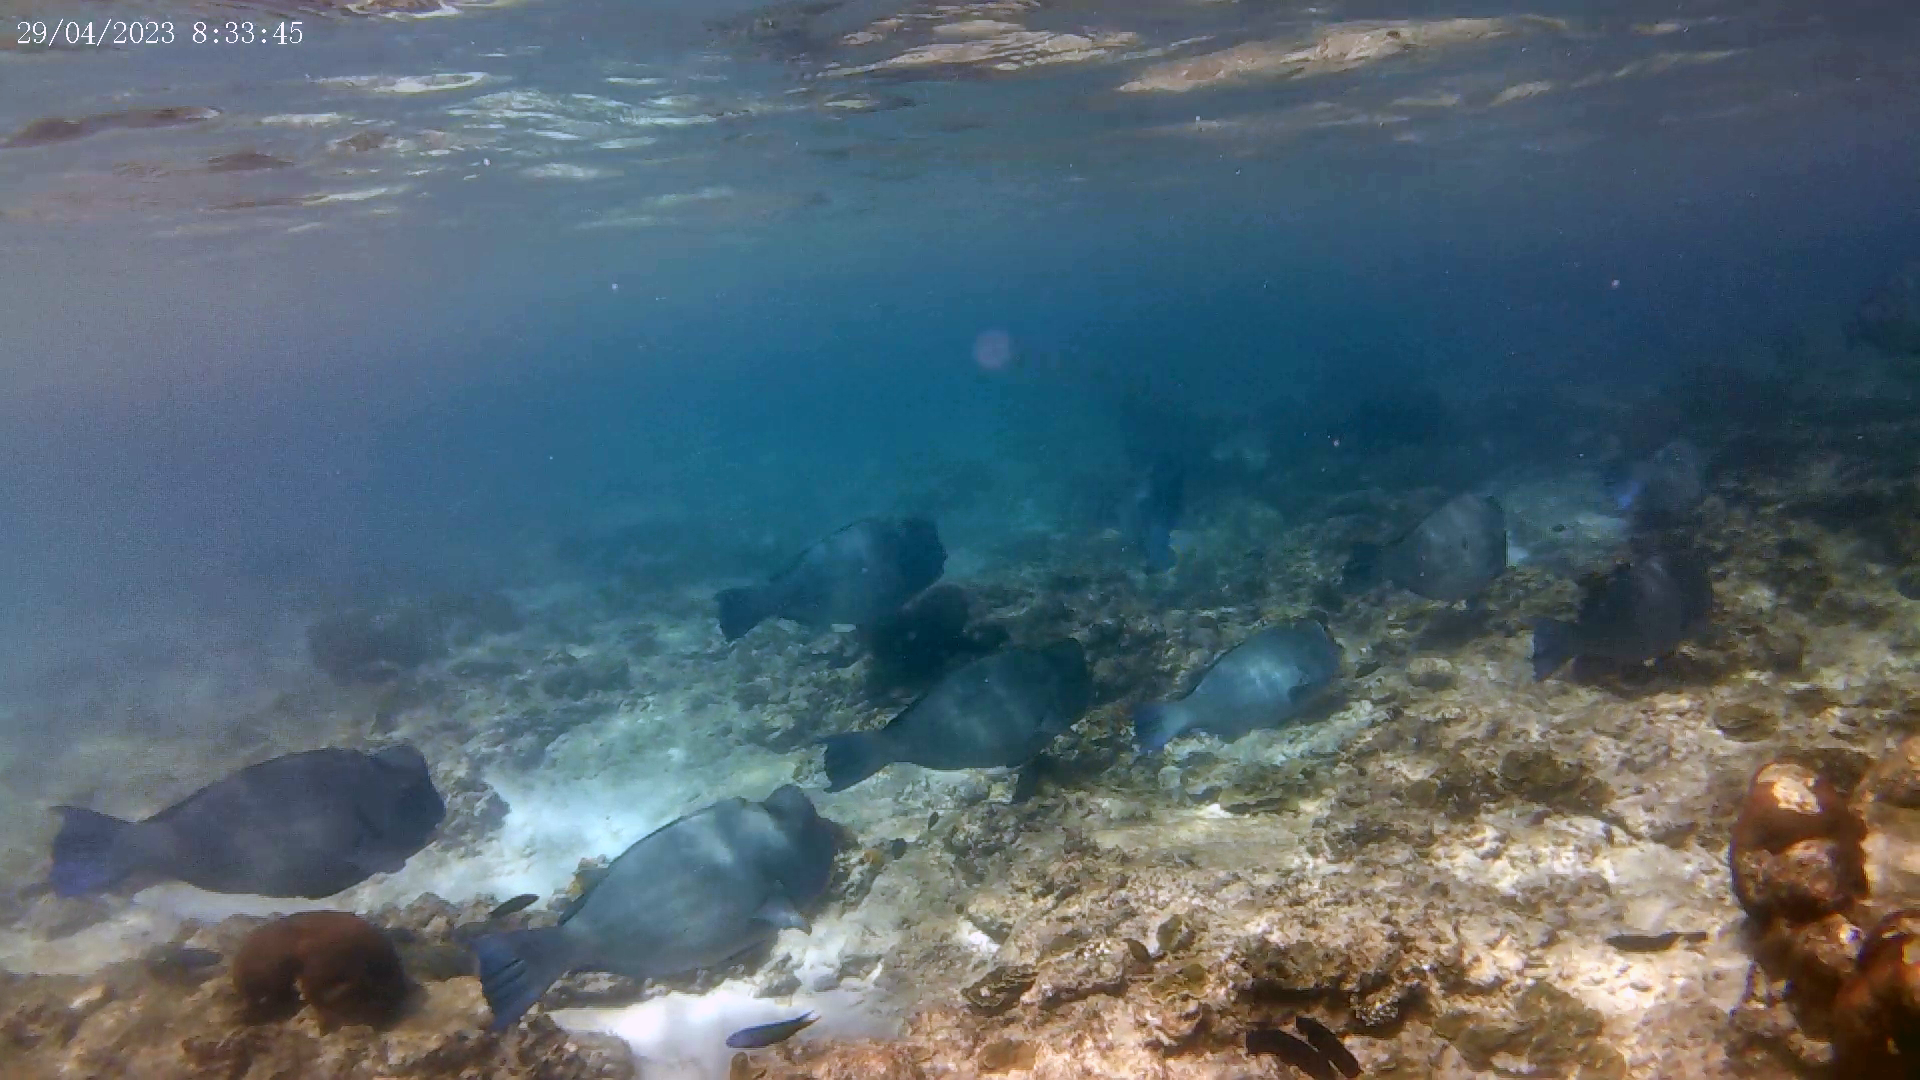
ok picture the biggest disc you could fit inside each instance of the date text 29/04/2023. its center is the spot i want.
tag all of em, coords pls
(118, 33)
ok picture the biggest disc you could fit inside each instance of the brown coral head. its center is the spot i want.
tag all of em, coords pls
(1876, 1016)
(1817, 957)
(1796, 846)
(337, 962)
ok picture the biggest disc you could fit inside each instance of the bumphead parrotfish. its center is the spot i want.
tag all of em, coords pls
(1261, 682)
(997, 711)
(308, 824)
(688, 895)
(857, 576)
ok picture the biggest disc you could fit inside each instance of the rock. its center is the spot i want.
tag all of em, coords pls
(1000, 989)
(360, 645)
(1745, 721)
(1888, 804)
(475, 810)
(335, 962)
(122, 1025)
(1549, 1029)
(1796, 846)
(576, 679)
(1876, 1013)
(1430, 672)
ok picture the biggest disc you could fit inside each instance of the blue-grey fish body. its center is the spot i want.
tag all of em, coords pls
(689, 895)
(1261, 682)
(762, 1035)
(997, 711)
(1454, 553)
(308, 824)
(857, 576)
(1642, 611)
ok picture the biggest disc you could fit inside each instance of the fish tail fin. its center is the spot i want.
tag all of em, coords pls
(853, 757)
(517, 967)
(1552, 646)
(1155, 725)
(743, 609)
(88, 853)
(1363, 567)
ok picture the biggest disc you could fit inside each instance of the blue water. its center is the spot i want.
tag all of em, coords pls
(472, 375)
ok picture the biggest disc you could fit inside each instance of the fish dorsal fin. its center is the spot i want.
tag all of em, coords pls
(779, 911)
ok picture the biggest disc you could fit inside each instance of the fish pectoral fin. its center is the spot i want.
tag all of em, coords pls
(779, 911)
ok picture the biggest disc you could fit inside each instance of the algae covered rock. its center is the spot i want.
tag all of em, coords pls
(1796, 846)
(1549, 1029)
(360, 646)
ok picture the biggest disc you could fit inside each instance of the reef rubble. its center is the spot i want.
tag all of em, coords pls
(1459, 870)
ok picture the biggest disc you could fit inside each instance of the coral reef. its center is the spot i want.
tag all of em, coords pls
(335, 962)
(1876, 1013)
(365, 646)
(1694, 868)
(159, 1018)
(1795, 850)
(362, 645)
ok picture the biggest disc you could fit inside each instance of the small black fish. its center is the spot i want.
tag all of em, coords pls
(518, 903)
(1325, 1041)
(760, 1035)
(1294, 1052)
(1652, 943)
(184, 964)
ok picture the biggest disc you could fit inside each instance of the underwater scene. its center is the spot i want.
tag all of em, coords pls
(912, 539)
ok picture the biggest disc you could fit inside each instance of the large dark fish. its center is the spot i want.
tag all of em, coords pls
(55, 129)
(996, 711)
(307, 824)
(921, 640)
(1641, 611)
(1153, 512)
(1662, 490)
(1453, 554)
(690, 894)
(856, 576)
(1261, 682)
